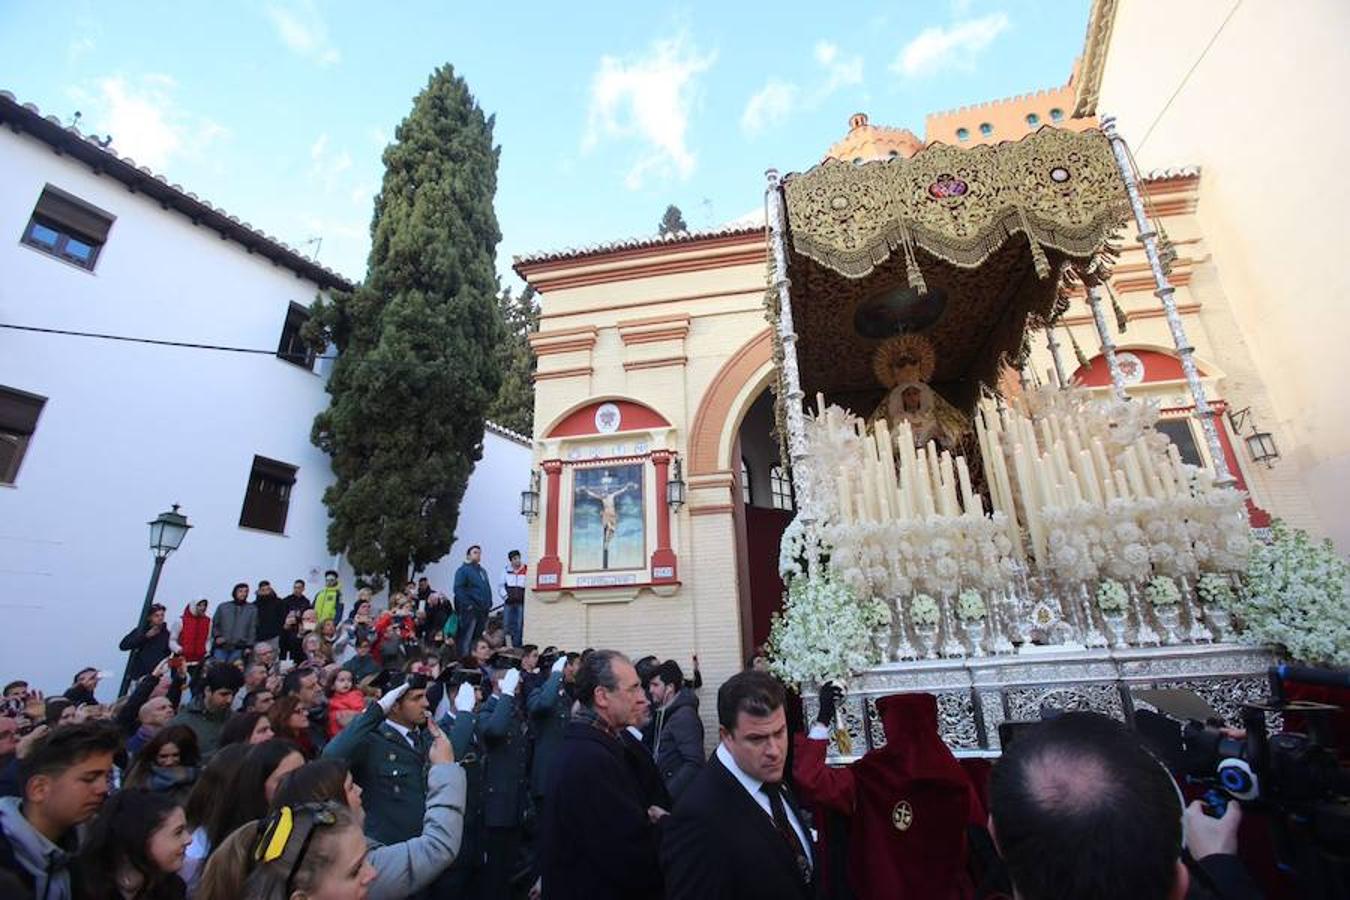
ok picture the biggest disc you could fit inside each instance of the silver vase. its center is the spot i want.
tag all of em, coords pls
(1169, 619)
(975, 630)
(1220, 622)
(1115, 623)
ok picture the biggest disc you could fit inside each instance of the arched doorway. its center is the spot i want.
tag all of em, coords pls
(764, 505)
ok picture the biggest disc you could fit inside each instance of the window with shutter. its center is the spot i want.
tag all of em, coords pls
(293, 348)
(19, 413)
(66, 227)
(267, 498)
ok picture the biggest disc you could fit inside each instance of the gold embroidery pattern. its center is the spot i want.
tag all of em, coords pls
(1059, 187)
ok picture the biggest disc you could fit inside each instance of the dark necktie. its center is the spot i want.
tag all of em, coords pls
(780, 820)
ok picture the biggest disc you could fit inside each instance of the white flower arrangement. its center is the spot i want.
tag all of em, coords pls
(1295, 596)
(1112, 598)
(923, 611)
(825, 632)
(1215, 590)
(1162, 591)
(969, 606)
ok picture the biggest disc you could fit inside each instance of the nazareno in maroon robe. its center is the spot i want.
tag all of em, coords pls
(907, 803)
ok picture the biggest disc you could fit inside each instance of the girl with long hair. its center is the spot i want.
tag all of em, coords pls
(247, 728)
(290, 721)
(168, 763)
(249, 792)
(207, 794)
(134, 849)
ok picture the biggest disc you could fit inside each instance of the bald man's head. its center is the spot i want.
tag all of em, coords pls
(1080, 809)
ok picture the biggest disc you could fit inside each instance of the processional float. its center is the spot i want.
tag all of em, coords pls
(1003, 549)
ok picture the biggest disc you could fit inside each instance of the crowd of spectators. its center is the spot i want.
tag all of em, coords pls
(298, 749)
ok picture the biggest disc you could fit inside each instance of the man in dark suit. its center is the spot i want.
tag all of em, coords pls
(736, 833)
(598, 838)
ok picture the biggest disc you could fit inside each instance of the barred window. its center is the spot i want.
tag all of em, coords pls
(780, 486)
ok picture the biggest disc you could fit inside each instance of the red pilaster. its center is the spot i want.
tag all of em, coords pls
(664, 567)
(1258, 517)
(548, 572)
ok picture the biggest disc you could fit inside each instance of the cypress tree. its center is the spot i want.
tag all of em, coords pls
(514, 406)
(418, 362)
(672, 222)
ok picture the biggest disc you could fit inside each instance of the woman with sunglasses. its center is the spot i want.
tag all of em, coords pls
(134, 849)
(405, 868)
(167, 763)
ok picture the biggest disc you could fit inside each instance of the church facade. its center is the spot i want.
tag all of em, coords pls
(655, 367)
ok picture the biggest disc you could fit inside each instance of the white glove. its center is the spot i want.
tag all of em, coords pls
(511, 681)
(559, 664)
(464, 698)
(391, 697)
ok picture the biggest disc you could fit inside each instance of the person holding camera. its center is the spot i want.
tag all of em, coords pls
(1079, 808)
(148, 643)
(550, 707)
(460, 723)
(506, 754)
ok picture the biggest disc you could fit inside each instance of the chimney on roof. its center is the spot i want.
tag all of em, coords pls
(857, 120)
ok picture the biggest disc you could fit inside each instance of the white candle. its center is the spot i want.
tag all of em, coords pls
(968, 497)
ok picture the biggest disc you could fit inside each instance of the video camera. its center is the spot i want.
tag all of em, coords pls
(1294, 777)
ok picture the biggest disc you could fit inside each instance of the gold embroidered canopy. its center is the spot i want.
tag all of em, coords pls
(994, 227)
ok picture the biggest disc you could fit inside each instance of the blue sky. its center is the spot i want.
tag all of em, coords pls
(278, 110)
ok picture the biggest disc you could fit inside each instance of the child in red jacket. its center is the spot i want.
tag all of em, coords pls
(345, 701)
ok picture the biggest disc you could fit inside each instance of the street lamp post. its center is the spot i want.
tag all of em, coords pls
(166, 534)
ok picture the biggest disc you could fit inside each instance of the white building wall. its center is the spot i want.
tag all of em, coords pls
(1257, 114)
(130, 428)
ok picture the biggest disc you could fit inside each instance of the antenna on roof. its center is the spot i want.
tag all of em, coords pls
(74, 120)
(318, 245)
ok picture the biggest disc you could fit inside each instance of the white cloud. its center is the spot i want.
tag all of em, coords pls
(769, 106)
(954, 47)
(144, 120)
(840, 71)
(326, 167)
(300, 27)
(775, 102)
(649, 99)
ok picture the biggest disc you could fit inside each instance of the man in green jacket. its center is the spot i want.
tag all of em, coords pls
(207, 715)
(386, 748)
(328, 599)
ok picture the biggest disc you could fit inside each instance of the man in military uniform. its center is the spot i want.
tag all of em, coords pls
(506, 751)
(464, 876)
(386, 750)
(549, 707)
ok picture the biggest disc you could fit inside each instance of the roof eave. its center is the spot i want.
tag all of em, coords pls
(23, 118)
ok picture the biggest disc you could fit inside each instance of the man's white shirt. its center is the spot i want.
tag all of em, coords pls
(752, 787)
